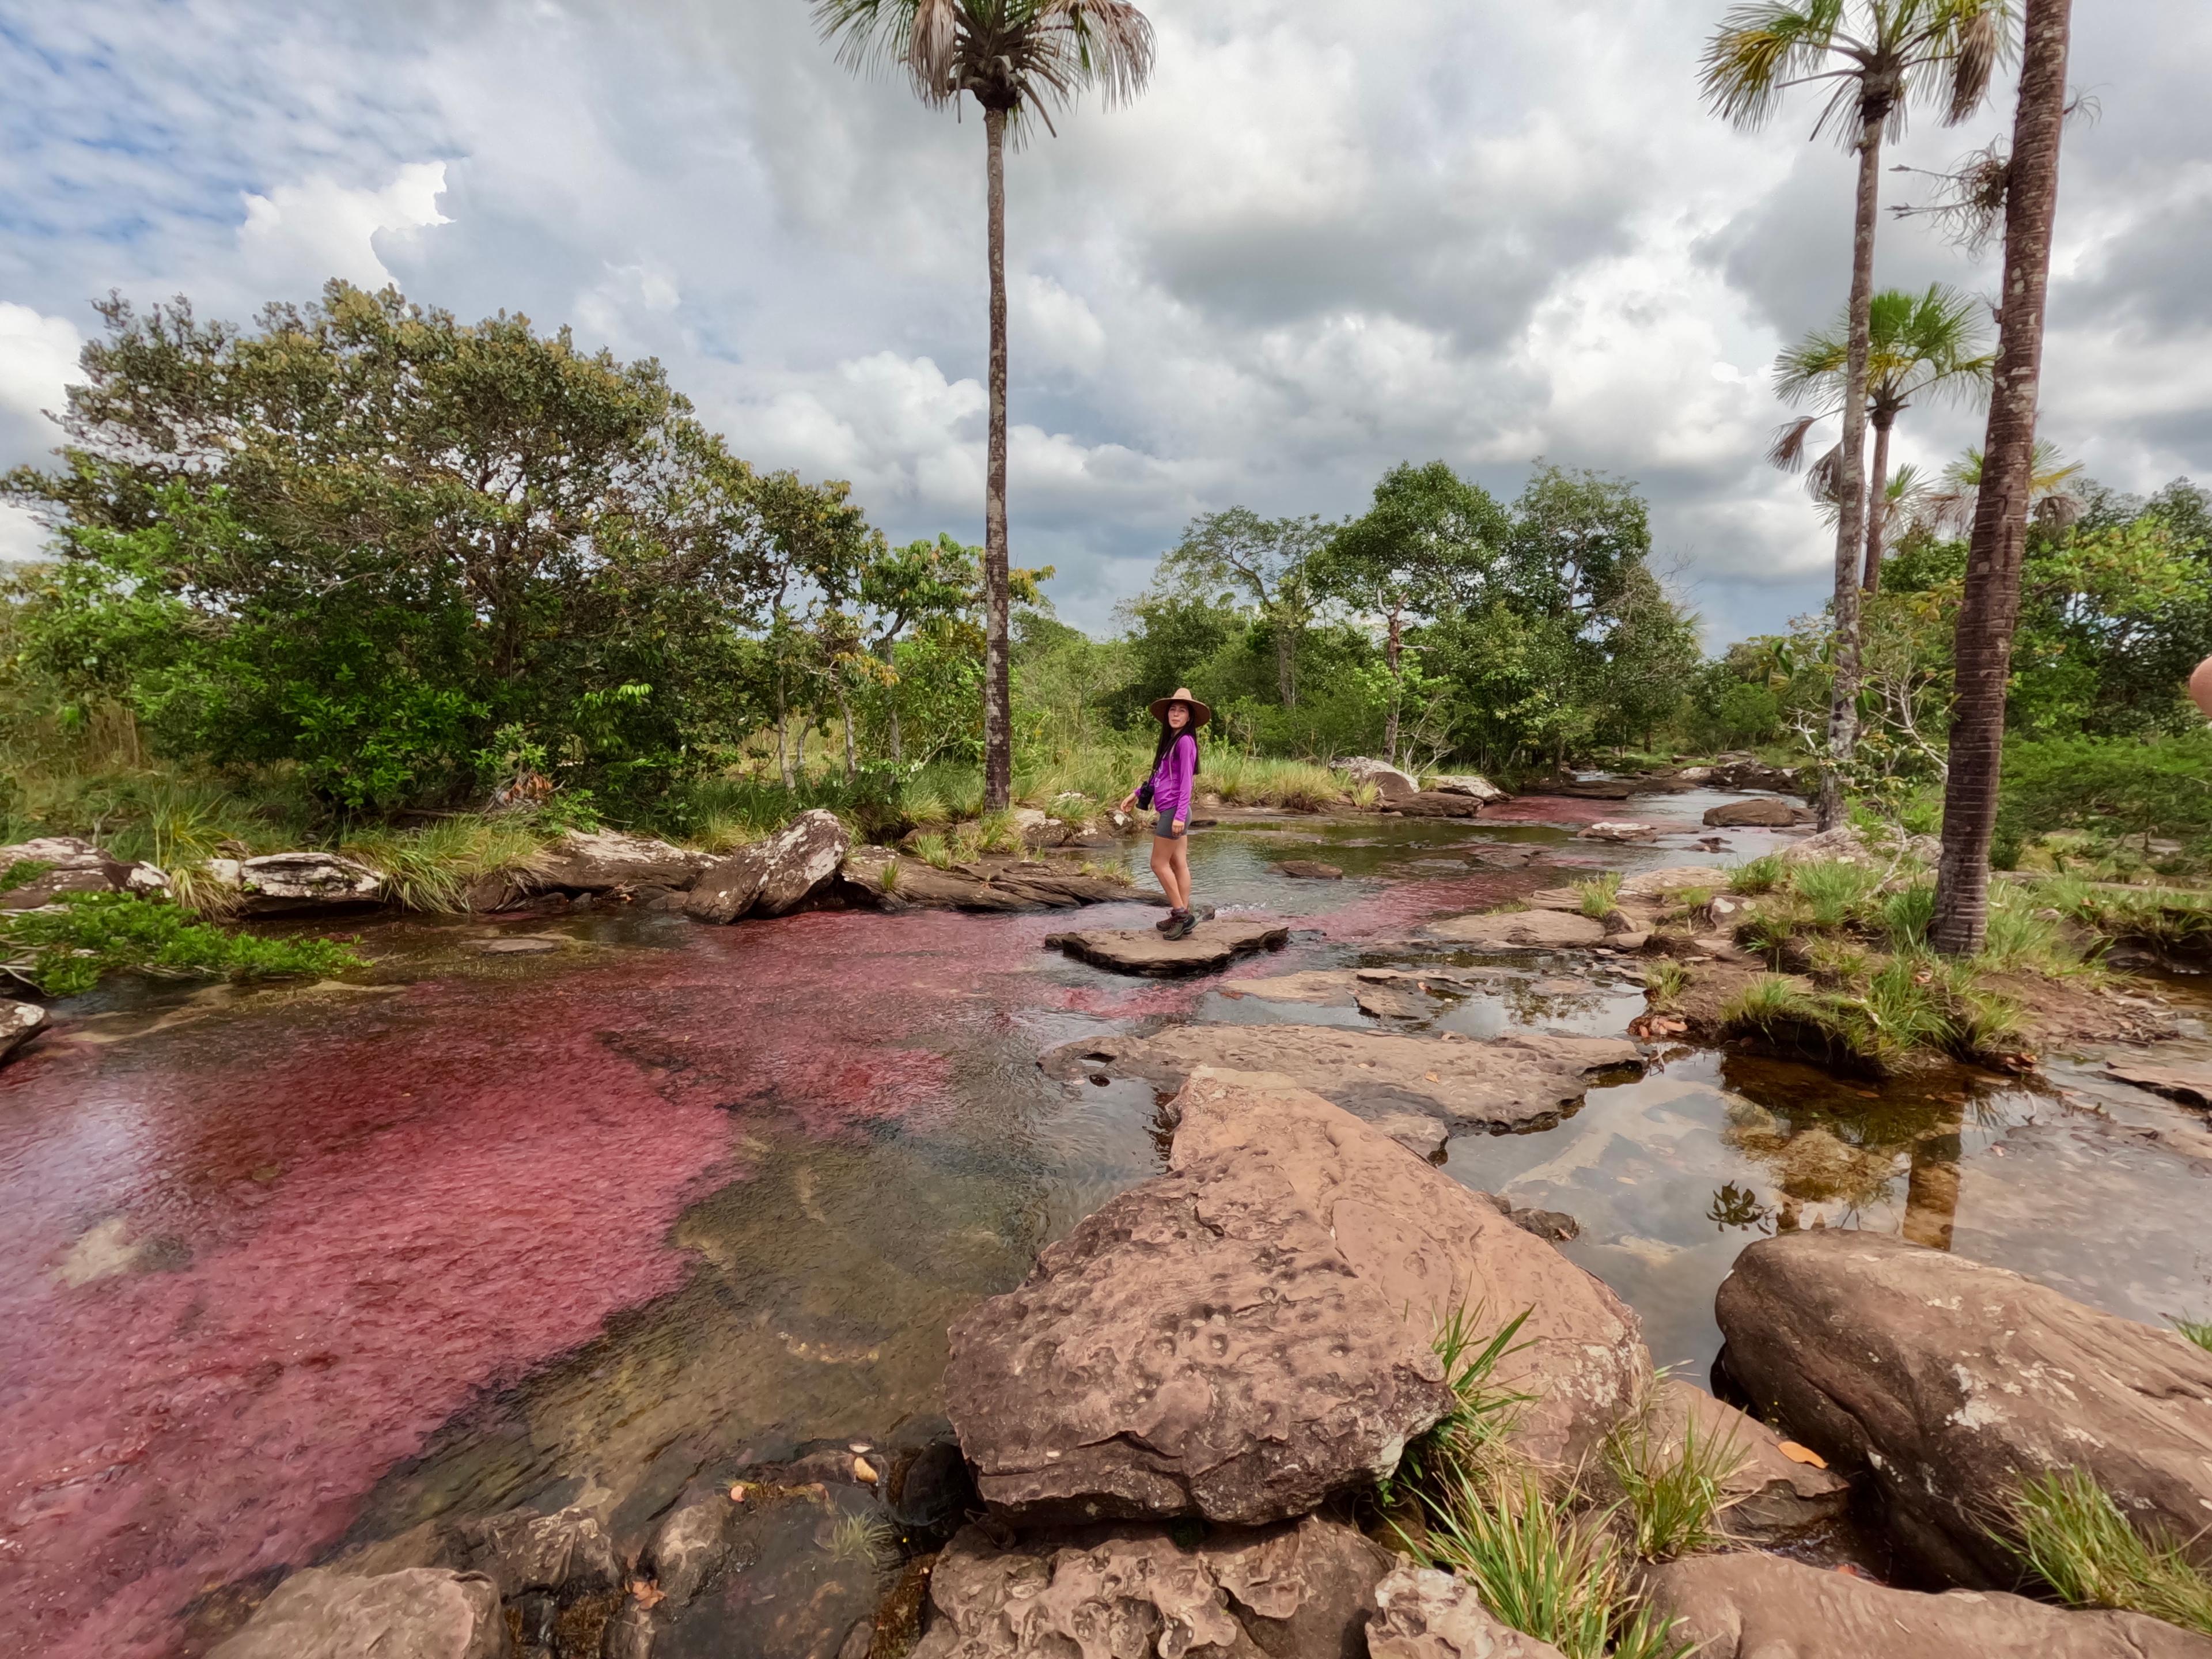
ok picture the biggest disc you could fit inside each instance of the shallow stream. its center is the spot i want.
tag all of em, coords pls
(296, 1266)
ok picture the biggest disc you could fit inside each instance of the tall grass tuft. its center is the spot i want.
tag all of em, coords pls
(1756, 876)
(1906, 915)
(2072, 1536)
(1600, 895)
(2197, 1331)
(1673, 1492)
(1834, 894)
(431, 869)
(1664, 981)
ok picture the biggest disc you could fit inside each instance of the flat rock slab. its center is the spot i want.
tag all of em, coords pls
(1311, 869)
(1254, 1330)
(1520, 930)
(1763, 1606)
(1949, 1381)
(2189, 1085)
(423, 1613)
(1297, 1590)
(1212, 945)
(1437, 803)
(1524, 1081)
(1766, 812)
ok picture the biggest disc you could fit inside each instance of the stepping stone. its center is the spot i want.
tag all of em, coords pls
(1311, 869)
(527, 946)
(1521, 930)
(1211, 946)
(1390, 1002)
(1525, 1081)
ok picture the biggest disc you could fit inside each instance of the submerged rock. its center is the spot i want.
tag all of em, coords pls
(1951, 1382)
(1525, 1080)
(1300, 1590)
(1311, 869)
(600, 860)
(771, 877)
(567, 1552)
(1254, 1330)
(1212, 945)
(1423, 1613)
(420, 1612)
(1752, 1606)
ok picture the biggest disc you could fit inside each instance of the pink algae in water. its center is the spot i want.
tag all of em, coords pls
(254, 1261)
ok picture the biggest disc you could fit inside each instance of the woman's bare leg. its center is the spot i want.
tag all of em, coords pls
(1164, 868)
(1182, 872)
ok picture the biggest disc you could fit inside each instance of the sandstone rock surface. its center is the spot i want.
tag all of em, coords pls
(1467, 783)
(420, 1613)
(1393, 785)
(1301, 1590)
(1745, 772)
(1525, 1080)
(2189, 1085)
(72, 866)
(281, 883)
(1763, 1606)
(1438, 804)
(1520, 930)
(19, 1022)
(519, 1550)
(881, 876)
(1763, 813)
(1769, 1497)
(1949, 1380)
(1252, 1331)
(1423, 1613)
(1211, 945)
(600, 860)
(1617, 830)
(772, 876)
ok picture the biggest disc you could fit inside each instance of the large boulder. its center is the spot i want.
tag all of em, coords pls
(1422, 1614)
(1393, 785)
(773, 875)
(1438, 804)
(1527, 1080)
(1949, 1381)
(602, 860)
(1763, 1606)
(287, 883)
(419, 1613)
(51, 866)
(1300, 1590)
(19, 1022)
(1759, 813)
(1254, 1330)
(1467, 783)
(1747, 773)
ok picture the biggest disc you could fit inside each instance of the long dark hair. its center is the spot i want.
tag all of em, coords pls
(1169, 734)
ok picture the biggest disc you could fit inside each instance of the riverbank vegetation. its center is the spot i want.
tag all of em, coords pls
(2068, 1532)
(65, 948)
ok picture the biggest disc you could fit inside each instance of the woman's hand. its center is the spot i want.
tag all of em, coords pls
(1128, 801)
(1178, 826)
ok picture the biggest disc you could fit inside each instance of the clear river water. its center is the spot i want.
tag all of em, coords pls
(289, 1267)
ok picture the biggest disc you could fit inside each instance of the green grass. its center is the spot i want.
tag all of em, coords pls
(1756, 876)
(1906, 914)
(1837, 962)
(2197, 1331)
(2074, 1537)
(1482, 1414)
(1833, 894)
(1544, 1568)
(863, 1539)
(67, 950)
(431, 869)
(1600, 895)
(1664, 981)
(1913, 1002)
(1673, 1493)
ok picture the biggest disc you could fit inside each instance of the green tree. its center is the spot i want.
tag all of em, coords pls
(1873, 58)
(1268, 562)
(1920, 347)
(1019, 60)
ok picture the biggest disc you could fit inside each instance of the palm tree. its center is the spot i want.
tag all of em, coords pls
(1982, 649)
(1950, 510)
(1875, 57)
(1919, 346)
(1018, 59)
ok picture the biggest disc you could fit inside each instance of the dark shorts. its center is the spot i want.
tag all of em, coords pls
(1163, 829)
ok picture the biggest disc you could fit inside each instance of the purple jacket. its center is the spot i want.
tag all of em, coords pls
(1171, 778)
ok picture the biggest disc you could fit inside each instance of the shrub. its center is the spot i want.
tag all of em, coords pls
(67, 950)
(2072, 1536)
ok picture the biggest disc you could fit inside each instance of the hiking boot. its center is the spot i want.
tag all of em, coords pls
(1167, 920)
(1183, 926)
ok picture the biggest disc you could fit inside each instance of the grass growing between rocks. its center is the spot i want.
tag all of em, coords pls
(430, 869)
(2072, 1536)
(1601, 895)
(2197, 1331)
(1672, 1494)
(67, 949)
(1663, 982)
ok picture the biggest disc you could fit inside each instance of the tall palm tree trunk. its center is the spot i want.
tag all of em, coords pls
(1851, 527)
(998, 690)
(1877, 514)
(1991, 603)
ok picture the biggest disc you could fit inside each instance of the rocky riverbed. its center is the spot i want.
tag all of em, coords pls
(511, 1266)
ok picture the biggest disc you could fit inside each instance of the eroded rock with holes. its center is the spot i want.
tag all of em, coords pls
(1254, 1330)
(1949, 1381)
(1301, 1589)
(773, 875)
(1763, 1607)
(1422, 1614)
(420, 1612)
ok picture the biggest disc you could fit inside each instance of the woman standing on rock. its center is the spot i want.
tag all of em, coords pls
(1168, 792)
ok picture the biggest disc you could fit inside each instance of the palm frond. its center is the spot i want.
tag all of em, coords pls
(1787, 450)
(1022, 57)
(1758, 47)
(1982, 35)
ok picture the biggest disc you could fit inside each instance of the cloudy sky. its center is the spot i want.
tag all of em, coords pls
(1331, 236)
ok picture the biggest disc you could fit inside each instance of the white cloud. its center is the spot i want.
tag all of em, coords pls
(300, 233)
(38, 359)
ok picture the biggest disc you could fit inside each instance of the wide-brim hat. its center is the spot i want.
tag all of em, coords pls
(1200, 714)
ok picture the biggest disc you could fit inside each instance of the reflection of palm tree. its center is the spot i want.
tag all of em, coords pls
(1931, 1191)
(1919, 346)
(1739, 1207)
(1874, 56)
(1017, 59)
